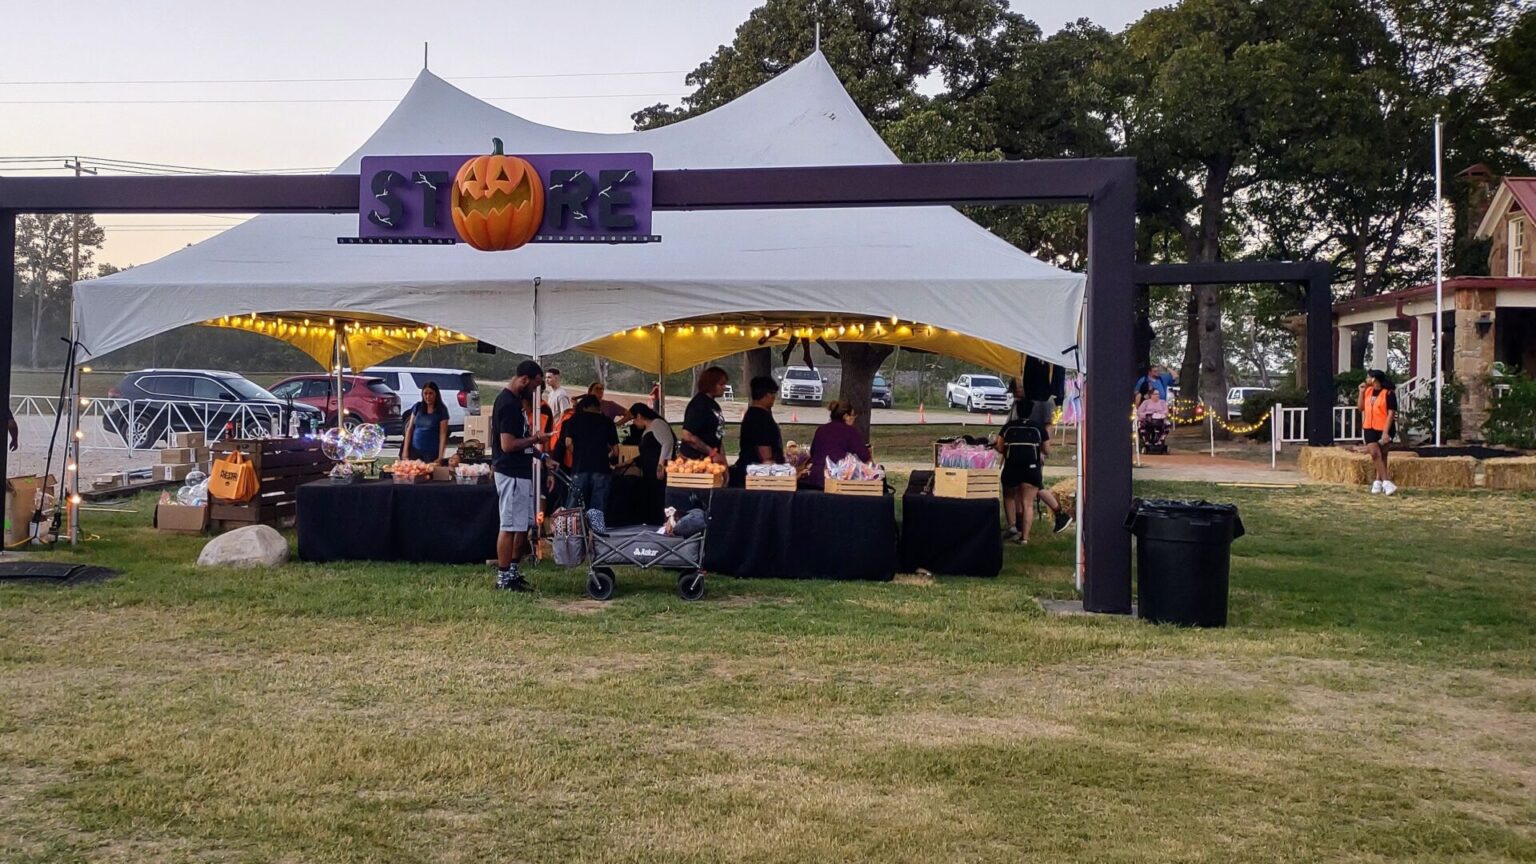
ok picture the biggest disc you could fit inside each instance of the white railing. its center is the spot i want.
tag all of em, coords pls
(144, 424)
(1413, 390)
(1291, 425)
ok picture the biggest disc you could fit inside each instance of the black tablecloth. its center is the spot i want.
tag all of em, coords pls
(949, 536)
(379, 520)
(800, 535)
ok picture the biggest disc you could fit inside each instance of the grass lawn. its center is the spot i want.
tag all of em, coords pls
(1374, 701)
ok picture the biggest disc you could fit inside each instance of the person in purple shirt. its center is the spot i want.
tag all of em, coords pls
(834, 440)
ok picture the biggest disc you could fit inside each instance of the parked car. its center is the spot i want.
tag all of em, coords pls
(880, 393)
(150, 403)
(460, 392)
(1236, 397)
(978, 393)
(366, 399)
(801, 384)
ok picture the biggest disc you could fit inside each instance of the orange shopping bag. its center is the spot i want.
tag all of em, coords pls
(233, 479)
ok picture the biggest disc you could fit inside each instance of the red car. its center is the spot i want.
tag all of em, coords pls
(366, 399)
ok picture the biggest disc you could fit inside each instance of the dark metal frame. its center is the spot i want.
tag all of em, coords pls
(1107, 186)
(1317, 278)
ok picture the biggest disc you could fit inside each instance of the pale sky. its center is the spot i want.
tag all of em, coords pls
(132, 81)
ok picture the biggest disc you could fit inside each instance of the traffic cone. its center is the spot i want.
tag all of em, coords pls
(989, 418)
(921, 416)
(794, 416)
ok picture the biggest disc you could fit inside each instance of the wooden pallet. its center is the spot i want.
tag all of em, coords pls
(282, 465)
(966, 483)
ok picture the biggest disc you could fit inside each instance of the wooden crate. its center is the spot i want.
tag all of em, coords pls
(695, 481)
(855, 487)
(771, 484)
(966, 483)
(282, 465)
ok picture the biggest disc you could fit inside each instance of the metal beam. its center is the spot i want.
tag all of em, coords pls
(1317, 277)
(284, 193)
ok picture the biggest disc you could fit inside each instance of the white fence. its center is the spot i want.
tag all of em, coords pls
(145, 424)
(1291, 424)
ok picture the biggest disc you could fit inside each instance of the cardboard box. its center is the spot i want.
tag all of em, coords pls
(109, 481)
(180, 519)
(478, 427)
(628, 452)
(165, 473)
(20, 503)
(442, 474)
(178, 456)
(189, 439)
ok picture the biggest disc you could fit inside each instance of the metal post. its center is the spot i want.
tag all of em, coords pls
(7, 313)
(1275, 412)
(1210, 422)
(1106, 489)
(1320, 355)
(1439, 283)
(70, 487)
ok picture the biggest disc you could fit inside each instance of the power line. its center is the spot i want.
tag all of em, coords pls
(315, 101)
(349, 80)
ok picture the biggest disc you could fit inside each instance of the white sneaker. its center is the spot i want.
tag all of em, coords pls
(1376, 488)
(1388, 487)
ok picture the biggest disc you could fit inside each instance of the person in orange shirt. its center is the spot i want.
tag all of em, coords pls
(1378, 413)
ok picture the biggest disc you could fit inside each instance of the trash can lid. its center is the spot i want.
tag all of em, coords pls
(1168, 508)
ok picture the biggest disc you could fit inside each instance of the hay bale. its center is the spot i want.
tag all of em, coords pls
(1440, 472)
(1335, 465)
(1517, 473)
(1066, 494)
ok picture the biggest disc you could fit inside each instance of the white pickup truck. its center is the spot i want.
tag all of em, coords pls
(978, 393)
(800, 384)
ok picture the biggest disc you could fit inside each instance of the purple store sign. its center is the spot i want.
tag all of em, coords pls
(588, 198)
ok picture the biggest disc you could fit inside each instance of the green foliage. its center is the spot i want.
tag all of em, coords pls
(1420, 418)
(1469, 257)
(1512, 420)
(1346, 385)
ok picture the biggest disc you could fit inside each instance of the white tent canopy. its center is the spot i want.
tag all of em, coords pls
(927, 264)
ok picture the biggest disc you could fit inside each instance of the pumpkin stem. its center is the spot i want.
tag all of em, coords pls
(496, 147)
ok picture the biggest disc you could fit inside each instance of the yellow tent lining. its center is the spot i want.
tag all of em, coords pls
(696, 341)
(367, 341)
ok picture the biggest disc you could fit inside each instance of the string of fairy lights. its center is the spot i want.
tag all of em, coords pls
(770, 331)
(1196, 411)
(283, 327)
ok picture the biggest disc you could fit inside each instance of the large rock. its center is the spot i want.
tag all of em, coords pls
(251, 546)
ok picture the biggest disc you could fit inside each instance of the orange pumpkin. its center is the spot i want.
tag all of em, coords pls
(498, 201)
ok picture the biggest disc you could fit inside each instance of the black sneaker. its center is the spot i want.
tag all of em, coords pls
(506, 579)
(1063, 519)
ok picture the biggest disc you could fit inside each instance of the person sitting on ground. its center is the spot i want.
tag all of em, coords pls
(1024, 444)
(761, 441)
(835, 439)
(1378, 416)
(594, 442)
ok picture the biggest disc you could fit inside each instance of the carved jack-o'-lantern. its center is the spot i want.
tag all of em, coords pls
(498, 201)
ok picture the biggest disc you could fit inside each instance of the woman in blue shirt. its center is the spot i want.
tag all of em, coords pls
(426, 433)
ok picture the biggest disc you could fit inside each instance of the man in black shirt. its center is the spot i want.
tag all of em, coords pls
(594, 441)
(761, 440)
(514, 446)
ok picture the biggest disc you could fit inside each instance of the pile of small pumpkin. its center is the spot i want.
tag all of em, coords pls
(694, 466)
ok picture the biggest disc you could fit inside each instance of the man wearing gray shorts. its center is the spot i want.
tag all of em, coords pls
(514, 446)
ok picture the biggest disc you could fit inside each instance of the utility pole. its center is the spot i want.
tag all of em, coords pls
(74, 218)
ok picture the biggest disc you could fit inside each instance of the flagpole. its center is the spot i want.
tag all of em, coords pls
(1439, 286)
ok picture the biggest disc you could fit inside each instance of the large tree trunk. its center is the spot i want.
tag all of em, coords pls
(757, 363)
(1144, 332)
(1213, 365)
(1189, 373)
(600, 366)
(37, 319)
(860, 361)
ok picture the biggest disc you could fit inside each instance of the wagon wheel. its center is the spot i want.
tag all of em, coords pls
(600, 583)
(690, 585)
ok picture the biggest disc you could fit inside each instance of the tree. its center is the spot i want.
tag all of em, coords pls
(1512, 79)
(44, 265)
(861, 360)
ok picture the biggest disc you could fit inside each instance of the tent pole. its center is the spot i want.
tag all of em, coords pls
(70, 485)
(336, 349)
(661, 375)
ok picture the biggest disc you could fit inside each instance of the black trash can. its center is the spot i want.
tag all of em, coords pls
(1183, 559)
